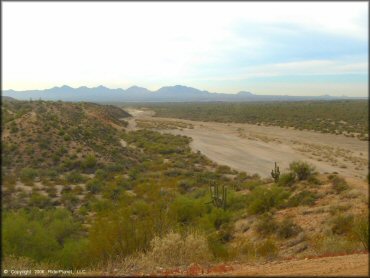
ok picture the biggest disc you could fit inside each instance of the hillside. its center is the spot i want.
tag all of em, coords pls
(58, 135)
(84, 190)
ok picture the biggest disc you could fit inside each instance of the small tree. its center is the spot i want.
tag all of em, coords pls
(302, 169)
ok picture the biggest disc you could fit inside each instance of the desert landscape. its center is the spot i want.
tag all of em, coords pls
(254, 149)
(186, 139)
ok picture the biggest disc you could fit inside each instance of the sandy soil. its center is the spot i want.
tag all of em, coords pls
(338, 266)
(254, 149)
(349, 265)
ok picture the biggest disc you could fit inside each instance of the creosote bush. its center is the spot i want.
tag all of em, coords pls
(287, 228)
(342, 224)
(339, 184)
(266, 225)
(302, 169)
(360, 230)
(263, 199)
(267, 249)
(287, 179)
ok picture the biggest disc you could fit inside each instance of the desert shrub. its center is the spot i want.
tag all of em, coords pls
(185, 186)
(287, 179)
(304, 197)
(174, 249)
(78, 189)
(69, 200)
(66, 189)
(101, 174)
(287, 228)
(218, 217)
(337, 209)
(9, 179)
(123, 230)
(89, 162)
(73, 254)
(75, 177)
(339, 184)
(39, 201)
(28, 175)
(342, 224)
(235, 201)
(266, 225)
(314, 180)
(267, 249)
(360, 230)
(252, 184)
(217, 247)
(262, 199)
(302, 169)
(186, 210)
(38, 234)
(333, 244)
(246, 248)
(223, 169)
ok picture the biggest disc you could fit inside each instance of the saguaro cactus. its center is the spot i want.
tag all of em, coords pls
(275, 173)
(218, 198)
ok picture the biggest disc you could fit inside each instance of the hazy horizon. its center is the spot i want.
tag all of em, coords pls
(182, 85)
(300, 49)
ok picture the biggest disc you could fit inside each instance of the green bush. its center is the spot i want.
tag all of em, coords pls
(101, 174)
(302, 169)
(28, 175)
(287, 179)
(186, 210)
(39, 201)
(339, 184)
(73, 254)
(75, 177)
(342, 224)
(262, 199)
(90, 162)
(304, 197)
(38, 234)
(360, 230)
(267, 249)
(287, 228)
(217, 248)
(266, 225)
(69, 200)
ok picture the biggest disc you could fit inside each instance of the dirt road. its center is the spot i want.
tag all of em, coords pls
(254, 149)
(349, 265)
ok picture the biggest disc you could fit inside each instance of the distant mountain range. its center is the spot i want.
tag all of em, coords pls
(176, 93)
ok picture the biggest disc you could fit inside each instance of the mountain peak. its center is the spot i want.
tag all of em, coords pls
(102, 87)
(244, 93)
(65, 87)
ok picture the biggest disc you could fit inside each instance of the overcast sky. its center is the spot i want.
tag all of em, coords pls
(294, 48)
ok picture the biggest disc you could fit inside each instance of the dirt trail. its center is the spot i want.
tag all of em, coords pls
(254, 148)
(348, 265)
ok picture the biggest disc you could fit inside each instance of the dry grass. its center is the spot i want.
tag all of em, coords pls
(172, 250)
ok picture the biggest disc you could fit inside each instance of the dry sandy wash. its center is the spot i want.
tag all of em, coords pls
(254, 149)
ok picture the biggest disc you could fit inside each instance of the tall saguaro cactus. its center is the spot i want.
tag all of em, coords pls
(218, 198)
(275, 173)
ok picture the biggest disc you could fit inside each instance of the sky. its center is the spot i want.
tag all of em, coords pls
(292, 48)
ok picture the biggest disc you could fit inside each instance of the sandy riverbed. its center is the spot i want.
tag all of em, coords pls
(254, 149)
